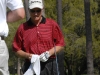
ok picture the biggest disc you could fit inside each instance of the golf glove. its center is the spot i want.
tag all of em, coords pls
(44, 56)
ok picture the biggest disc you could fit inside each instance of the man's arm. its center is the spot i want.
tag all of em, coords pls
(15, 15)
(23, 54)
(58, 49)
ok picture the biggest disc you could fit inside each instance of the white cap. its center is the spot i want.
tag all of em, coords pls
(35, 4)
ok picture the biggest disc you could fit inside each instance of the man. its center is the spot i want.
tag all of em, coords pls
(39, 36)
(16, 13)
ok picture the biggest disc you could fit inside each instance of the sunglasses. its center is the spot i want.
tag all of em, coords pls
(35, 11)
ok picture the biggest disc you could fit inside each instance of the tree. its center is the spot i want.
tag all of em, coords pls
(90, 68)
(59, 20)
(26, 5)
(18, 67)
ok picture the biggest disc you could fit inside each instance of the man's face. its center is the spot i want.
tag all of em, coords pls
(35, 14)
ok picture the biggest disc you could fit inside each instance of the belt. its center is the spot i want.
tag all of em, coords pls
(2, 37)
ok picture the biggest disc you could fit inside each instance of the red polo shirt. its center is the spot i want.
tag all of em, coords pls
(38, 39)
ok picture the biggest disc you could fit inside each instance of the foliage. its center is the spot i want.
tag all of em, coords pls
(74, 31)
(50, 9)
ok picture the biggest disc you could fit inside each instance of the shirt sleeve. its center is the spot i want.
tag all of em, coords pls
(58, 35)
(17, 42)
(14, 4)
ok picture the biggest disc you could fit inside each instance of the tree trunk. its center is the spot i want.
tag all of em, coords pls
(26, 4)
(43, 12)
(19, 67)
(59, 20)
(90, 68)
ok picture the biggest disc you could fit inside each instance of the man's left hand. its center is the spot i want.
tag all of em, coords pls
(44, 56)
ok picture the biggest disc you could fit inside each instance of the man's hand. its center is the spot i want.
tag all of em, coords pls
(44, 56)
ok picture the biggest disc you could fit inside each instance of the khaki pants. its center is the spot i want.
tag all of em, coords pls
(4, 56)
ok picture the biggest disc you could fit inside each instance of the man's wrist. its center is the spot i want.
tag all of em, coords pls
(27, 55)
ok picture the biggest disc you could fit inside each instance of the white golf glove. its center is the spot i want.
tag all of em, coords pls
(44, 56)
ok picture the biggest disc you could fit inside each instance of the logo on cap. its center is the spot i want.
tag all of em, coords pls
(35, 2)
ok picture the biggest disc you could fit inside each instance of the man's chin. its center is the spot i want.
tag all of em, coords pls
(36, 19)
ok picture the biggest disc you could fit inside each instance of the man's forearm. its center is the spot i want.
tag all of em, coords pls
(23, 54)
(58, 49)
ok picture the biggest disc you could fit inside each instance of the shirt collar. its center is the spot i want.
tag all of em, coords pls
(42, 21)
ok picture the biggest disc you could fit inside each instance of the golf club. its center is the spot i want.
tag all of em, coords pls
(56, 59)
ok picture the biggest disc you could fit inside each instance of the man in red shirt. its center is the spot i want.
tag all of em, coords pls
(40, 36)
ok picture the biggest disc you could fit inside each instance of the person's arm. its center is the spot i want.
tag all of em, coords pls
(57, 48)
(23, 54)
(15, 15)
